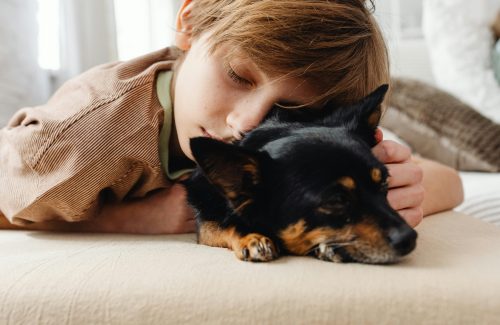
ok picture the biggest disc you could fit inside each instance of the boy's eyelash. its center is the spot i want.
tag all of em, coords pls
(235, 77)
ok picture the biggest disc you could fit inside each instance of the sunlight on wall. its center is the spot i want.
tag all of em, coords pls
(48, 34)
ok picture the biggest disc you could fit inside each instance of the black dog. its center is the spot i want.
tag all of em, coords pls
(304, 188)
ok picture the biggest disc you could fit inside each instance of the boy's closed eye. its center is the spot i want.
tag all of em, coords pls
(235, 77)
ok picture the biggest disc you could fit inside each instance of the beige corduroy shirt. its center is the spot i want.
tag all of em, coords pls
(95, 141)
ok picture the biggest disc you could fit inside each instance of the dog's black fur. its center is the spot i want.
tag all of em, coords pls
(305, 188)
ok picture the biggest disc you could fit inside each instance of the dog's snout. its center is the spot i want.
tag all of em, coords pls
(402, 239)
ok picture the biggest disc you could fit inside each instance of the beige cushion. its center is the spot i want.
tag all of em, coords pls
(453, 277)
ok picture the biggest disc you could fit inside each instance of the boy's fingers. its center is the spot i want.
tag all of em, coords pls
(379, 135)
(388, 151)
(404, 174)
(406, 197)
(412, 216)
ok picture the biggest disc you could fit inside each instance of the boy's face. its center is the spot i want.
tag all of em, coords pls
(223, 99)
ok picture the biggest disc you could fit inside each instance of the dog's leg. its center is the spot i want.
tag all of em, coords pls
(251, 247)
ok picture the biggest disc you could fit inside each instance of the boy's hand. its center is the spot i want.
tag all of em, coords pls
(406, 192)
(169, 212)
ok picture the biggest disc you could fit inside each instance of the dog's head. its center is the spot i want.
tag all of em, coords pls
(316, 189)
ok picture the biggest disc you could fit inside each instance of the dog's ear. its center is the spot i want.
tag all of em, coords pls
(233, 170)
(362, 117)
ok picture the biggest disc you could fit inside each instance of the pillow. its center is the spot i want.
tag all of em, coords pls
(440, 127)
(459, 41)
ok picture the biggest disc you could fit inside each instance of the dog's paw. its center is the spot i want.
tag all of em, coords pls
(327, 253)
(256, 248)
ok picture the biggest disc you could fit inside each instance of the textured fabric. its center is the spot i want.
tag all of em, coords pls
(451, 278)
(440, 127)
(96, 140)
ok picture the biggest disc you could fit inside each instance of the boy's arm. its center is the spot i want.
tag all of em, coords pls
(162, 212)
(442, 184)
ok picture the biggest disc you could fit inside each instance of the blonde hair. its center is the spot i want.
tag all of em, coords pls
(335, 44)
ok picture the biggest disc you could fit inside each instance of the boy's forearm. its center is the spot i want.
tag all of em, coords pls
(112, 218)
(443, 187)
(162, 212)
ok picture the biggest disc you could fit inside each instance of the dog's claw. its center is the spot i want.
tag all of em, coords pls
(257, 248)
(245, 253)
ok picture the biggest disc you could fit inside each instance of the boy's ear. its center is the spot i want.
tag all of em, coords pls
(234, 171)
(183, 27)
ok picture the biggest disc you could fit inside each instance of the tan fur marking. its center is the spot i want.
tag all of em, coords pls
(370, 244)
(232, 195)
(251, 168)
(300, 242)
(347, 182)
(324, 210)
(376, 175)
(374, 118)
(212, 235)
(368, 232)
(243, 206)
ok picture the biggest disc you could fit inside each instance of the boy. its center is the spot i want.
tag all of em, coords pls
(107, 149)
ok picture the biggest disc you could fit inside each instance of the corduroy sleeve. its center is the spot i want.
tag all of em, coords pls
(96, 140)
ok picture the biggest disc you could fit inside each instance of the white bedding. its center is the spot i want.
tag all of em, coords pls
(482, 196)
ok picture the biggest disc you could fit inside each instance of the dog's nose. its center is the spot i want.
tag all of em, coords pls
(402, 239)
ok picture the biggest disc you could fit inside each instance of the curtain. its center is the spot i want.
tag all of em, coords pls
(88, 36)
(22, 82)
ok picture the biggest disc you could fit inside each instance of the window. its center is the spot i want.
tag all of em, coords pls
(48, 34)
(143, 26)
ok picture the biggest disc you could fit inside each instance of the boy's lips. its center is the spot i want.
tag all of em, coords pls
(209, 135)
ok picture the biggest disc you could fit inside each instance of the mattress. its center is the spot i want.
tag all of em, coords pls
(55, 278)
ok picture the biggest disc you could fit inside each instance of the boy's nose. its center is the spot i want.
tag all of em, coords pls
(246, 117)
